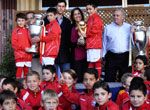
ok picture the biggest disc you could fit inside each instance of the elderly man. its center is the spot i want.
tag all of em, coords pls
(116, 46)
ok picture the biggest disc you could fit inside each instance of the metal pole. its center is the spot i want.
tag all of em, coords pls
(67, 7)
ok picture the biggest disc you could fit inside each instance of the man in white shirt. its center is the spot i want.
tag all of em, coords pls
(116, 46)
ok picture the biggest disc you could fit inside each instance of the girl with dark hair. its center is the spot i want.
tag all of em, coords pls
(79, 63)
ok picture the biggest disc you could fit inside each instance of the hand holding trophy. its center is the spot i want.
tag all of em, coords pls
(81, 32)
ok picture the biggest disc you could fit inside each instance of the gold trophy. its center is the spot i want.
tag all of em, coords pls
(81, 30)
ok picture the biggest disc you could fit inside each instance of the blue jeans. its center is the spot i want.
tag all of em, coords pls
(61, 68)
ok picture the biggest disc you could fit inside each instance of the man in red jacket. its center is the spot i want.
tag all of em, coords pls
(21, 43)
(52, 38)
(94, 37)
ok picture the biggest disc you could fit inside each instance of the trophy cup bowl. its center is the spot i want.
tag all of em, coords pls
(139, 37)
(35, 30)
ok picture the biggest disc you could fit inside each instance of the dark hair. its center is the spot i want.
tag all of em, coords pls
(92, 3)
(138, 86)
(52, 10)
(101, 84)
(92, 71)
(147, 73)
(72, 73)
(72, 16)
(7, 94)
(20, 15)
(137, 80)
(51, 68)
(33, 73)
(15, 84)
(143, 58)
(60, 1)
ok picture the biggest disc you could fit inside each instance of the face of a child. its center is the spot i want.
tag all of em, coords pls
(137, 98)
(9, 104)
(33, 83)
(68, 79)
(90, 10)
(77, 16)
(127, 83)
(139, 64)
(89, 80)
(51, 16)
(101, 96)
(47, 75)
(51, 104)
(21, 22)
(30, 18)
(9, 87)
(61, 7)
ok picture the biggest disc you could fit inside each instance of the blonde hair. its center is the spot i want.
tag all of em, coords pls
(125, 76)
(33, 73)
(72, 73)
(48, 94)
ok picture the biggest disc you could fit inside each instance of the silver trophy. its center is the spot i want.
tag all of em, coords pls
(35, 30)
(139, 36)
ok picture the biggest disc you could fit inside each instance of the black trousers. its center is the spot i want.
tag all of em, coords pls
(116, 63)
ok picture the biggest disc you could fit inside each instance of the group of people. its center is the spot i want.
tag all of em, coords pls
(66, 61)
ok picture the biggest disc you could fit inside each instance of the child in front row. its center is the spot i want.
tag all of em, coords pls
(50, 100)
(21, 43)
(84, 99)
(140, 64)
(32, 95)
(138, 97)
(52, 38)
(102, 95)
(15, 86)
(123, 95)
(8, 100)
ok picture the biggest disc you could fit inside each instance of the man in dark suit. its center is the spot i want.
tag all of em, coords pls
(62, 61)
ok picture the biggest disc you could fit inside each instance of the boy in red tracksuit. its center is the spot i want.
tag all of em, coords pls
(123, 95)
(21, 43)
(50, 100)
(49, 82)
(84, 99)
(8, 101)
(94, 37)
(13, 85)
(32, 95)
(102, 95)
(52, 38)
(138, 97)
(140, 64)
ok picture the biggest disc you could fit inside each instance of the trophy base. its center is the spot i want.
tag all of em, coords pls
(33, 49)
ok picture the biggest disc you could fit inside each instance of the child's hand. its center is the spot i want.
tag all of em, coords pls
(27, 50)
(35, 39)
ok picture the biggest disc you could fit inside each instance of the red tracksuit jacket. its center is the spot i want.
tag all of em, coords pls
(137, 73)
(110, 105)
(147, 83)
(122, 97)
(63, 103)
(23, 105)
(128, 106)
(31, 98)
(85, 100)
(94, 32)
(52, 39)
(20, 40)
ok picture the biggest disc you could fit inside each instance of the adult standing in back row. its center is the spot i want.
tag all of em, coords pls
(63, 59)
(116, 46)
